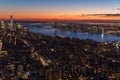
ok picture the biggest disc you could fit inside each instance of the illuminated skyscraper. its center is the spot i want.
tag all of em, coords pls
(11, 19)
(18, 26)
(11, 22)
(2, 24)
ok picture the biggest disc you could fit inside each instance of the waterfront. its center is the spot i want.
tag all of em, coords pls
(48, 30)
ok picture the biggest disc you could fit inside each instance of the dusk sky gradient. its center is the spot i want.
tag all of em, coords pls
(60, 9)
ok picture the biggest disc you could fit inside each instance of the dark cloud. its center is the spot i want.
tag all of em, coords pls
(112, 14)
(108, 15)
(118, 8)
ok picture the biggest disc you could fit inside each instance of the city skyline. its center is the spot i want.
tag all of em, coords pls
(61, 9)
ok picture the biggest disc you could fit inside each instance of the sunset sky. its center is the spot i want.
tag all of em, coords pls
(60, 9)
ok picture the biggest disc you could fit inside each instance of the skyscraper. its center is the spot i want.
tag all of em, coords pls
(11, 21)
(2, 24)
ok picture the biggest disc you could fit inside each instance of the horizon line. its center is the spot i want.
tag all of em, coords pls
(66, 19)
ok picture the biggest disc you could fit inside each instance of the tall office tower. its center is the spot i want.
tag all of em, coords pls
(11, 22)
(2, 24)
(11, 19)
(18, 26)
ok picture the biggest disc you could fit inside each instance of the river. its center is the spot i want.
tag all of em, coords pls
(48, 30)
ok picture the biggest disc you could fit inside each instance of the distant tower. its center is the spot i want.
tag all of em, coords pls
(102, 33)
(56, 25)
(11, 21)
